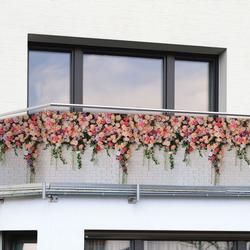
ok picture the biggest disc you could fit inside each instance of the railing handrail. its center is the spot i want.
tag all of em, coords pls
(120, 108)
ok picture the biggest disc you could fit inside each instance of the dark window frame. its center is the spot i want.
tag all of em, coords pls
(138, 237)
(10, 238)
(168, 52)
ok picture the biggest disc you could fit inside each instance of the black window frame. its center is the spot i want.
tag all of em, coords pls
(137, 238)
(10, 238)
(168, 52)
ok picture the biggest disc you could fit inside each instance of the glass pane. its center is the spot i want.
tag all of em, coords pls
(49, 77)
(248, 245)
(191, 85)
(122, 81)
(188, 245)
(108, 245)
(25, 246)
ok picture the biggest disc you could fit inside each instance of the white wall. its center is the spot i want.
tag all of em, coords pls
(224, 23)
(61, 225)
(1, 241)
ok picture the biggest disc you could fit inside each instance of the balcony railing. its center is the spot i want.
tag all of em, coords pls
(133, 192)
(118, 109)
(136, 139)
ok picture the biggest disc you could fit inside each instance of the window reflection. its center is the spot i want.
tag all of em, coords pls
(248, 245)
(191, 85)
(25, 246)
(122, 81)
(108, 245)
(49, 77)
(188, 245)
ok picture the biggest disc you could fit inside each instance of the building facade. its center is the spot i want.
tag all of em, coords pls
(64, 185)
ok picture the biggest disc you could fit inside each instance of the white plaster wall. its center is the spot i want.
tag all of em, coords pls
(14, 170)
(224, 23)
(1, 241)
(61, 225)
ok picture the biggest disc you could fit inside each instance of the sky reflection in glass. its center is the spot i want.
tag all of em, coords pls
(117, 81)
(122, 81)
(49, 77)
(188, 245)
(191, 85)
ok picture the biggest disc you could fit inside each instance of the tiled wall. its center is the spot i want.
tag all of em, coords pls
(105, 169)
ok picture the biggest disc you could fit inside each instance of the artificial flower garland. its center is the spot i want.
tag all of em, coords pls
(119, 132)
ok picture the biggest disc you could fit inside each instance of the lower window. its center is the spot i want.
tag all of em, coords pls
(19, 240)
(165, 240)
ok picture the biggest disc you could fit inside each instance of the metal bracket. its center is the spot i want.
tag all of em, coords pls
(132, 199)
(44, 191)
(53, 198)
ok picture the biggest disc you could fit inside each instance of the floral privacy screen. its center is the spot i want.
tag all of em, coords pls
(123, 133)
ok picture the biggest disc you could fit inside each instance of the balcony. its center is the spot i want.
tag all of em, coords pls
(112, 145)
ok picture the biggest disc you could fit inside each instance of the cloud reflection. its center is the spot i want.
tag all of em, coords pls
(49, 77)
(191, 85)
(122, 81)
(117, 81)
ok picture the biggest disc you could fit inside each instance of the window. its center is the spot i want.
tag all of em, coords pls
(19, 240)
(122, 73)
(165, 240)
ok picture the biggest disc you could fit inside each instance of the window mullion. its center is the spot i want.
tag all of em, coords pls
(213, 85)
(170, 82)
(164, 87)
(139, 245)
(77, 83)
